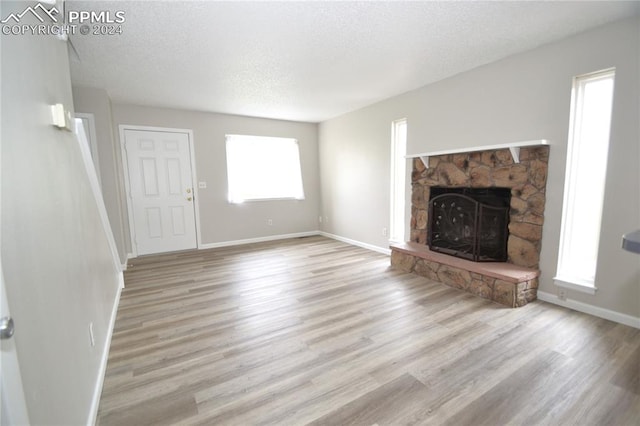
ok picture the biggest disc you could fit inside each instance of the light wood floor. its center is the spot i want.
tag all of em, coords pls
(316, 331)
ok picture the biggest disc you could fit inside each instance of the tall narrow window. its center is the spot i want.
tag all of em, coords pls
(262, 168)
(588, 147)
(398, 179)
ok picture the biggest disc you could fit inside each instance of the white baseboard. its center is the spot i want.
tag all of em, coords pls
(97, 392)
(590, 309)
(386, 251)
(257, 240)
(296, 235)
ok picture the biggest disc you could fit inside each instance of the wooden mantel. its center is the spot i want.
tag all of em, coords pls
(513, 147)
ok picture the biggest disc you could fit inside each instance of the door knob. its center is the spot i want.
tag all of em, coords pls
(188, 190)
(188, 198)
(6, 327)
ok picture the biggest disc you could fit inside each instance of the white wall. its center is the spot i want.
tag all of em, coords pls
(97, 102)
(59, 271)
(220, 221)
(523, 97)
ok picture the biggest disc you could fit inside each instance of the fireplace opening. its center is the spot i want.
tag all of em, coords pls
(470, 223)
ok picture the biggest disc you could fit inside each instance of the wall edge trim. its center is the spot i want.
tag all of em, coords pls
(367, 246)
(206, 246)
(97, 393)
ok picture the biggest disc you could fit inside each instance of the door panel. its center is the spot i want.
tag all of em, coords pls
(149, 176)
(154, 222)
(173, 175)
(178, 222)
(161, 190)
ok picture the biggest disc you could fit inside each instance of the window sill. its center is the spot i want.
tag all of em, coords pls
(575, 284)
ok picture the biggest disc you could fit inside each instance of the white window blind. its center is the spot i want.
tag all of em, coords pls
(263, 168)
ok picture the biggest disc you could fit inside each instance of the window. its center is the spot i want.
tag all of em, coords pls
(398, 179)
(591, 102)
(262, 168)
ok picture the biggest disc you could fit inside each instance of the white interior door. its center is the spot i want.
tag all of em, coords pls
(160, 190)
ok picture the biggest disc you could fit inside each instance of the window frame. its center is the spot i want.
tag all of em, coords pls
(565, 277)
(398, 179)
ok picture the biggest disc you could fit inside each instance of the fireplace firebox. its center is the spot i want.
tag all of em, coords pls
(470, 223)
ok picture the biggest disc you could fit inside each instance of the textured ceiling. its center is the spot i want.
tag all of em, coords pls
(309, 61)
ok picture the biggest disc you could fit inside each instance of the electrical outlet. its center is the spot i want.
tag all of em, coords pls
(270, 222)
(92, 339)
(384, 232)
(320, 219)
(562, 295)
(326, 219)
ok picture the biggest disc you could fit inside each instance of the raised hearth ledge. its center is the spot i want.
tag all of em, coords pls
(505, 283)
(500, 270)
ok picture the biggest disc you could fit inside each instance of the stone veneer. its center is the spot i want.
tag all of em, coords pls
(493, 168)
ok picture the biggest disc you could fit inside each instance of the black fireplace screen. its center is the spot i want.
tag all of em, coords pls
(470, 223)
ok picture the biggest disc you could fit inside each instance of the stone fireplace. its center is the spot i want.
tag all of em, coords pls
(514, 282)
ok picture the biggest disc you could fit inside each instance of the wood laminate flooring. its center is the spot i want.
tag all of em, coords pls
(315, 331)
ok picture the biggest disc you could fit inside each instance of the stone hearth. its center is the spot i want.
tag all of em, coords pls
(491, 168)
(501, 282)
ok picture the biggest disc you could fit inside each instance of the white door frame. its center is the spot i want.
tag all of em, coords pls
(125, 168)
(13, 406)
